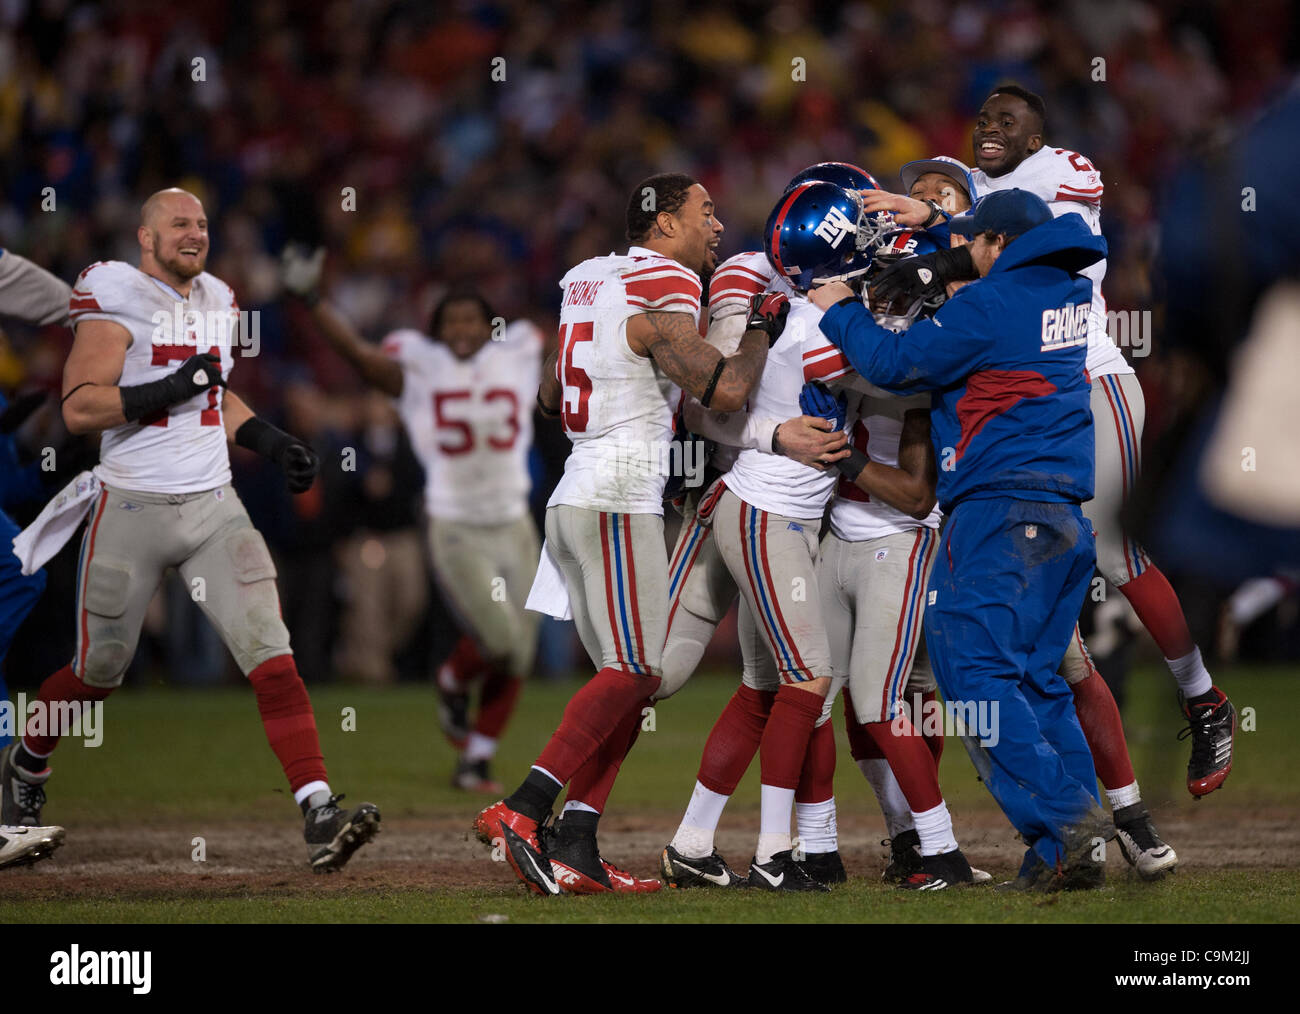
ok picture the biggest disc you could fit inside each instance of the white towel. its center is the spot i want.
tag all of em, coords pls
(36, 544)
(550, 593)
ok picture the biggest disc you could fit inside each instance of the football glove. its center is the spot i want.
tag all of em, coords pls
(923, 277)
(817, 399)
(300, 272)
(767, 313)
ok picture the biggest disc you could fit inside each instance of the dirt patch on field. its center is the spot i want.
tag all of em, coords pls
(244, 860)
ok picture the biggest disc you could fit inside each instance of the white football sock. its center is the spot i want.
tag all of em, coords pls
(1125, 796)
(694, 837)
(479, 747)
(1190, 672)
(310, 789)
(935, 828)
(573, 804)
(774, 822)
(889, 794)
(816, 823)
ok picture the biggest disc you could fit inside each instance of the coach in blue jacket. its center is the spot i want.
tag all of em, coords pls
(1012, 428)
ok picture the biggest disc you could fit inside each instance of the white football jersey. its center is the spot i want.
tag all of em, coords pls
(877, 430)
(773, 482)
(732, 285)
(181, 449)
(617, 407)
(471, 421)
(1068, 182)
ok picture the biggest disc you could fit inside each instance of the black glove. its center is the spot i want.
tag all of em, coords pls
(924, 277)
(17, 411)
(196, 375)
(767, 313)
(298, 461)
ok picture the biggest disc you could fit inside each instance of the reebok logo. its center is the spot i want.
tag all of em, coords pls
(74, 967)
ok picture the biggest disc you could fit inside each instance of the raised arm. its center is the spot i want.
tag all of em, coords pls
(301, 276)
(376, 368)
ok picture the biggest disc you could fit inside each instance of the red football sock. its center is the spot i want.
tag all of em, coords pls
(785, 739)
(595, 779)
(463, 665)
(593, 715)
(933, 736)
(287, 717)
(1158, 608)
(861, 746)
(1102, 728)
(734, 740)
(817, 781)
(910, 760)
(62, 685)
(500, 691)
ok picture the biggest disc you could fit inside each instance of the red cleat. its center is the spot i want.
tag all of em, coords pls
(623, 882)
(1211, 725)
(580, 869)
(516, 835)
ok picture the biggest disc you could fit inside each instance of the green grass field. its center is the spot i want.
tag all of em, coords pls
(179, 764)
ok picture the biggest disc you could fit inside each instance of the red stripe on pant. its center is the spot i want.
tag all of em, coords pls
(901, 629)
(610, 576)
(638, 653)
(776, 605)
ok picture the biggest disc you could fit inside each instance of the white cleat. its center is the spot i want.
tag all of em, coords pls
(1140, 845)
(22, 846)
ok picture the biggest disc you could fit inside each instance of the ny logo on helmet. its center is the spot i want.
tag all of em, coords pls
(834, 227)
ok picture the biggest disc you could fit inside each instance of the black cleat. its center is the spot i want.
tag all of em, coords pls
(22, 792)
(824, 867)
(904, 857)
(332, 836)
(938, 873)
(782, 873)
(1141, 845)
(1211, 724)
(685, 871)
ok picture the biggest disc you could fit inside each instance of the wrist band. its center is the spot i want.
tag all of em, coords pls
(776, 444)
(852, 466)
(717, 375)
(550, 413)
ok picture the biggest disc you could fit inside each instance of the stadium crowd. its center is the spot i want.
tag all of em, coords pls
(488, 144)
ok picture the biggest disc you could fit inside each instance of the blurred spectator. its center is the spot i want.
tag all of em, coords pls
(382, 562)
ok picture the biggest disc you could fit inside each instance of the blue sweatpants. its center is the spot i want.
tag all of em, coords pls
(1003, 598)
(17, 596)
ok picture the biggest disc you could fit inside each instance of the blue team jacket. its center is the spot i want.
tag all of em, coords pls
(1006, 359)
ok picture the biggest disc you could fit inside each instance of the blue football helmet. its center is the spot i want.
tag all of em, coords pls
(852, 178)
(812, 235)
(844, 174)
(891, 248)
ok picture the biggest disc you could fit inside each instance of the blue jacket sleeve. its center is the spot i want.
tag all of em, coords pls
(930, 355)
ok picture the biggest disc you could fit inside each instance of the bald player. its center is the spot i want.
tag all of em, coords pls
(149, 365)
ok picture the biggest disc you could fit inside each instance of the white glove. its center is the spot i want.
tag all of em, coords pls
(300, 272)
